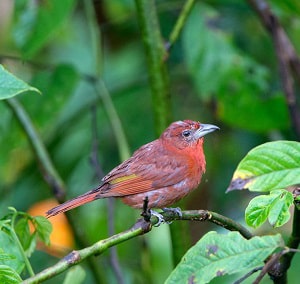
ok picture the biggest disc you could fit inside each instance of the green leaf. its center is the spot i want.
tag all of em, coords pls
(210, 47)
(27, 239)
(9, 247)
(75, 275)
(242, 106)
(22, 230)
(273, 165)
(274, 207)
(5, 256)
(11, 86)
(43, 228)
(4, 223)
(8, 275)
(280, 211)
(37, 25)
(217, 255)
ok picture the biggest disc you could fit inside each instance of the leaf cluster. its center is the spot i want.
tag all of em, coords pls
(18, 237)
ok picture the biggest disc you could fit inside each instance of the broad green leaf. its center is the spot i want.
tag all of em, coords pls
(217, 255)
(75, 275)
(43, 228)
(273, 165)
(8, 275)
(274, 207)
(36, 25)
(11, 86)
(9, 247)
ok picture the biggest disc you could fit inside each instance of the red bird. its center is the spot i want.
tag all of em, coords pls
(164, 170)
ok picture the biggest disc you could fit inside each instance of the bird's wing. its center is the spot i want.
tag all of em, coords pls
(148, 169)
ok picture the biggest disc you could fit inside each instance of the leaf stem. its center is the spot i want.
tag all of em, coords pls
(185, 12)
(18, 243)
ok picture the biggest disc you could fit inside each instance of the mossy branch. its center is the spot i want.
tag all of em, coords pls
(139, 228)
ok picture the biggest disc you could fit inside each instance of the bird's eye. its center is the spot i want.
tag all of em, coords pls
(186, 133)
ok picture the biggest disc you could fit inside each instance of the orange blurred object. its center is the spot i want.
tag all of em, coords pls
(61, 238)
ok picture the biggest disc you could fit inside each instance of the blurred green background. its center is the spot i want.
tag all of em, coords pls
(222, 70)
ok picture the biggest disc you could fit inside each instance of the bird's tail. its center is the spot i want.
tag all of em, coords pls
(73, 203)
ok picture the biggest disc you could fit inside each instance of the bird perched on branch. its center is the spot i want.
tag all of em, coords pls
(162, 171)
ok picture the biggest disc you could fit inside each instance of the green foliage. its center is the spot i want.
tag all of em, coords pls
(17, 242)
(273, 165)
(222, 67)
(8, 275)
(217, 255)
(35, 27)
(11, 86)
(239, 82)
(43, 228)
(275, 207)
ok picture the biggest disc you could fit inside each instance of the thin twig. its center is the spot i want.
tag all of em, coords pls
(102, 92)
(110, 202)
(47, 169)
(205, 215)
(181, 20)
(242, 279)
(271, 264)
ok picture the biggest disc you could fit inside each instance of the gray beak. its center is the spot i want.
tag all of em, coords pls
(205, 129)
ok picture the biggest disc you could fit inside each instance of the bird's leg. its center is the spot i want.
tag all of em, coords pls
(177, 211)
(159, 217)
(146, 213)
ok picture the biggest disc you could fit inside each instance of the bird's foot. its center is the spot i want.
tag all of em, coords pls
(160, 218)
(177, 211)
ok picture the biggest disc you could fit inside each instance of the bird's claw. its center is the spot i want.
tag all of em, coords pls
(176, 211)
(160, 218)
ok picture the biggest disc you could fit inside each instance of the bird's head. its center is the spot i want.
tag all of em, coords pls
(187, 133)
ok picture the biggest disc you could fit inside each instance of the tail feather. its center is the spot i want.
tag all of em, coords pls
(73, 203)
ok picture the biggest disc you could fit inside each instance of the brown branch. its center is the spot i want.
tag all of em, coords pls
(288, 59)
